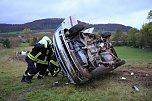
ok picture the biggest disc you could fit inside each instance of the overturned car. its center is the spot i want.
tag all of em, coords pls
(83, 55)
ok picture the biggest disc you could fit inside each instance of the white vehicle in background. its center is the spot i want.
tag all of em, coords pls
(83, 55)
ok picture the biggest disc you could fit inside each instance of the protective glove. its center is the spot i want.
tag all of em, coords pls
(56, 71)
(49, 45)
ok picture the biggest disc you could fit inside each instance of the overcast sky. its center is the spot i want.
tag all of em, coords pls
(127, 12)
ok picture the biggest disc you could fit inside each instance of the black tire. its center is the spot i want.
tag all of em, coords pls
(119, 63)
(75, 29)
(106, 34)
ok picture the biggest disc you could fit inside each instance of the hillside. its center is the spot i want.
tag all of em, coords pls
(52, 23)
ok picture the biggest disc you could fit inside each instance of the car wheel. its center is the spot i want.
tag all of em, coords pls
(75, 29)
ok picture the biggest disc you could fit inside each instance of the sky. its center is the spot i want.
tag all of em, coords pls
(127, 12)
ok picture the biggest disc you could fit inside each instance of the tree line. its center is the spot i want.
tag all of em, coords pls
(136, 38)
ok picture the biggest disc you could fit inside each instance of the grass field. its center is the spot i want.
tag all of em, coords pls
(10, 33)
(106, 88)
(134, 54)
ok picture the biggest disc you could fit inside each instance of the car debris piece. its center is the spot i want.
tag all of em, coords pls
(131, 73)
(83, 55)
(135, 88)
(123, 78)
(147, 74)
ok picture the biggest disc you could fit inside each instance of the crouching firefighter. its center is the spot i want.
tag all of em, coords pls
(54, 68)
(40, 55)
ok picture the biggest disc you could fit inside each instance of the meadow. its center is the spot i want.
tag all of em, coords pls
(105, 88)
(11, 33)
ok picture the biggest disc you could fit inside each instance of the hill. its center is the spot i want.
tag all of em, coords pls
(52, 23)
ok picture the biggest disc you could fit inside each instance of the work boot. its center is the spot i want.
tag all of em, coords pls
(31, 77)
(28, 79)
(46, 73)
(39, 77)
(23, 78)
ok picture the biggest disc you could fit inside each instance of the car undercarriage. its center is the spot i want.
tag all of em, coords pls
(82, 54)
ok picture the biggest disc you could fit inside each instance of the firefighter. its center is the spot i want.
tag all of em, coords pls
(53, 67)
(41, 55)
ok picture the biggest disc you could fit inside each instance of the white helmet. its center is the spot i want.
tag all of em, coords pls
(45, 40)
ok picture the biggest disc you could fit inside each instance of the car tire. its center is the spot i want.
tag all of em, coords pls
(75, 29)
(106, 34)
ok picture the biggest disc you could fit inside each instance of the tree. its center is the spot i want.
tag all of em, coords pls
(123, 39)
(147, 34)
(33, 41)
(149, 17)
(132, 38)
(27, 30)
(139, 40)
(117, 37)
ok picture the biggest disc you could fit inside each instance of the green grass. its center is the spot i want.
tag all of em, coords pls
(10, 32)
(136, 54)
(24, 44)
(106, 88)
(135, 57)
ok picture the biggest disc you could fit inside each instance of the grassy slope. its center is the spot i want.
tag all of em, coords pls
(105, 88)
(134, 56)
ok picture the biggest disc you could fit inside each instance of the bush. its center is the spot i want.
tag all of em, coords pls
(33, 41)
(11, 42)
(6, 43)
(14, 42)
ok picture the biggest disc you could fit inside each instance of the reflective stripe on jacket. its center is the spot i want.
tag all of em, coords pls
(41, 56)
(55, 63)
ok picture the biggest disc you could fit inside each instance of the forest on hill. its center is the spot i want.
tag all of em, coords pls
(52, 23)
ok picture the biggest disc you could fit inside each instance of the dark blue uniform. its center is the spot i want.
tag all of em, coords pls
(41, 55)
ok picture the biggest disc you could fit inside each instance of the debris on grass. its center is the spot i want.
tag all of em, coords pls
(131, 73)
(147, 74)
(123, 78)
(135, 88)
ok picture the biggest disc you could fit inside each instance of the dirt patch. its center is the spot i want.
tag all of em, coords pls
(134, 75)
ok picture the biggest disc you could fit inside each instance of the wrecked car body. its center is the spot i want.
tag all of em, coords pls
(83, 55)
